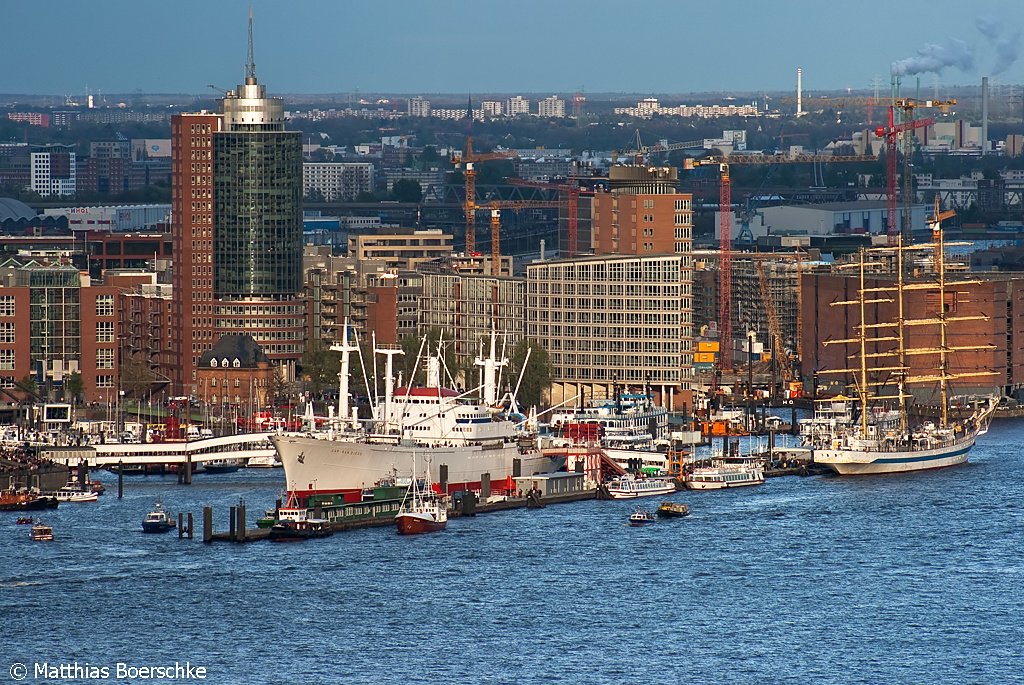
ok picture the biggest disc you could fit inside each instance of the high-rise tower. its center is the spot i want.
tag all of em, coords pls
(238, 262)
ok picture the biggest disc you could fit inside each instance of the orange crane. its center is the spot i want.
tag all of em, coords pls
(725, 225)
(469, 158)
(496, 206)
(572, 193)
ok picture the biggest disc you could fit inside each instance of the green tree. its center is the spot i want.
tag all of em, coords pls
(74, 387)
(406, 190)
(537, 378)
(319, 366)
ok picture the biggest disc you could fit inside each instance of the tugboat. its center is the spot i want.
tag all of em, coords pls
(158, 520)
(41, 532)
(673, 510)
(26, 501)
(641, 517)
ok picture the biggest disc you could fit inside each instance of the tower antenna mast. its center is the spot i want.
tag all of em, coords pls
(250, 65)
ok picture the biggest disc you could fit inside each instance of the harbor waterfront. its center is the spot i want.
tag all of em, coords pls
(906, 578)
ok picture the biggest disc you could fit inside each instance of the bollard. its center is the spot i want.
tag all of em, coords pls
(190, 525)
(207, 524)
(232, 520)
(120, 479)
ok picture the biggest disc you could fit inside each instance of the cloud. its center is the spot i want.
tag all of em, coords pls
(934, 57)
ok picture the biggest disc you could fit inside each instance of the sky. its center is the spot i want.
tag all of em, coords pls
(62, 47)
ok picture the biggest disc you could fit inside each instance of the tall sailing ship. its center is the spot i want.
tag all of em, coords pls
(464, 438)
(876, 436)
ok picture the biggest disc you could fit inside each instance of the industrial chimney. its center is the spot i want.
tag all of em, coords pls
(984, 115)
(799, 92)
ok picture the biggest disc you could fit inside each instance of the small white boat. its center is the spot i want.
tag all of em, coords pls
(726, 474)
(628, 487)
(641, 517)
(262, 462)
(72, 493)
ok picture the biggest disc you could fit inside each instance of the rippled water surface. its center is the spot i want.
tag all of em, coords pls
(906, 579)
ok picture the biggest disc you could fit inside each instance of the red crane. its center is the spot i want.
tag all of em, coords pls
(891, 133)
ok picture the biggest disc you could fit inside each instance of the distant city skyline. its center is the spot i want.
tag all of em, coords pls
(66, 47)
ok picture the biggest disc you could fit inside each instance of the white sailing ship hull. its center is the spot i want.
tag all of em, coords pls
(856, 463)
(318, 466)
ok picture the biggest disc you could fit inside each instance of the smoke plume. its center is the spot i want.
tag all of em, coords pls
(934, 58)
(1005, 44)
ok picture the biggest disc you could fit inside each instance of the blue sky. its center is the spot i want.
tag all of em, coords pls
(538, 46)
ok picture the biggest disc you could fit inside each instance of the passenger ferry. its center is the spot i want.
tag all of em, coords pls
(228, 447)
(724, 474)
(629, 487)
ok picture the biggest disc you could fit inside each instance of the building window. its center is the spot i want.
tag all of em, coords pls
(7, 332)
(104, 381)
(104, 331)
(6, 305)
(104, 359)
(237, 364)
(104, 305)
(7, 360)
(213, 363)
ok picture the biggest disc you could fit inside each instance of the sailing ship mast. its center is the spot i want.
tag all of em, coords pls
(942, 319)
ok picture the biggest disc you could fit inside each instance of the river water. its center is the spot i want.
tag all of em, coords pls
(904, 579)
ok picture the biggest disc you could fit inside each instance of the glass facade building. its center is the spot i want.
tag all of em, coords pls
(257, 212)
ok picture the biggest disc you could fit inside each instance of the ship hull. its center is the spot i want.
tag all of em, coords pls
(416, 523)
(317, 466)
(856, 463)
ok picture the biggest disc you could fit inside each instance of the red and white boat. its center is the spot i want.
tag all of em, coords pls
(422, 510)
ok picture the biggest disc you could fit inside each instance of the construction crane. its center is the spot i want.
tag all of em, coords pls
(725, 226)
(640, 151)
(779, 353)
(469, 159)
(496, 206)
(892, 133)
(572, 193)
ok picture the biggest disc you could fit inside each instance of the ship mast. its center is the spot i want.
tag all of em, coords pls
(863, 389)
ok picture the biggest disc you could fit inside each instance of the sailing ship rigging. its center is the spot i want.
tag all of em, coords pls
(878, 437)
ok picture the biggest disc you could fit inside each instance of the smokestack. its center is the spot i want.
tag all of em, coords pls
(984, 115)
(799, 92)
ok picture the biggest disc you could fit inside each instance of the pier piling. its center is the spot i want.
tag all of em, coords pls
(181, 525)
(240, 522)
(189, 536)
(120, 479)
(485, 486)
(232, 519)
(442, 477)
(188, 469)
(207, 524)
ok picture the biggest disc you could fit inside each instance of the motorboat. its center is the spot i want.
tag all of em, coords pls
(263, 462)
(72, 493)
(641, 517)
(158, 520)
(41, 533)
